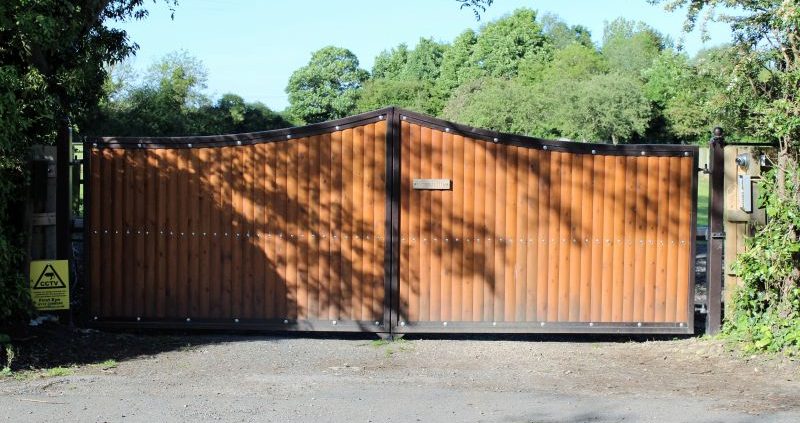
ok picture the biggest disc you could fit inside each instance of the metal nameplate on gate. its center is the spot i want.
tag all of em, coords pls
(438, 184)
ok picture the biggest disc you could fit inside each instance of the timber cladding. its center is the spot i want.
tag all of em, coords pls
(322, 228)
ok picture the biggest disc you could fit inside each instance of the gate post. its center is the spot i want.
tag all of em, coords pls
(716, 232)
(63, 191)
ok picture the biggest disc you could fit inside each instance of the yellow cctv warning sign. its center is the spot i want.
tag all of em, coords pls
(50, 284)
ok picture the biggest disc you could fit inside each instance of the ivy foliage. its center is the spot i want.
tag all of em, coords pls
(52, 66)
(765, 314)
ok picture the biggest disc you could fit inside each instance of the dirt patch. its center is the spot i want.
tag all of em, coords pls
(178, 377)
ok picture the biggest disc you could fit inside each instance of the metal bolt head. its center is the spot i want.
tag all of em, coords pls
(544, 148)
(334, 322)
(402, 323)
(285, 321)
(189, 145)
(138, 319)
(495, 140)
(235, 320)
(188, 319)
(444, 323)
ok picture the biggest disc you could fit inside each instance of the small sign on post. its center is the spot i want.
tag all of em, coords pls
(50, 284)
(432, 184)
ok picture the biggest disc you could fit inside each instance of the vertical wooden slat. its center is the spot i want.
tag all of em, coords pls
(522, 240)
(270, 218)
(618, 240)
(532, 172)
(216, 207)
(462, 298)
(448, 262)
(325, 277)
(258, 238)
(663, 240)
(499, 234)
(684, 296)
(476, 259)
(640, 240)
(575, 238)
(597, 185)
(181, 244)
(368, 258)
(117, 233)
(488, 231)
(510, 235)
(651, 239)
(294, 173)
(584, 236)
(138, 232)
(171, 235)
(204, 199)
(673, 236)
(422, 140)
(360, 208)
(435, 239)
(303, 222)
(348, 204)
(563, 238)
(194, 193)
(106, 230)
(608, 241)
(463, 241)
(315, 241)
(226, 234)
(543, 276)
(406, 202)
(236, 234)
(415, 208)
(128, 234)
(248, 231)
(337, 226)
(629, 238)
(379, 147)
(554, 236)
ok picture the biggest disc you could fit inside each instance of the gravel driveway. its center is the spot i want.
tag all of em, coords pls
(260, 378)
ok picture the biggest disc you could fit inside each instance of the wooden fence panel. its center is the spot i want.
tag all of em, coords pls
(241, 230)
(290, 229)
(561, 236)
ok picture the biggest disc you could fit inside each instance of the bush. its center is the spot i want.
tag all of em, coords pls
(765, 313)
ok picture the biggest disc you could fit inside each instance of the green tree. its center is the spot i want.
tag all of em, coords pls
(162, 105)
(389, 64)
(379, 93)
(326, 88)
(498, 104)
(503, 44)
(630, 46)
(609, 106)
(561, 35)
(457, 67)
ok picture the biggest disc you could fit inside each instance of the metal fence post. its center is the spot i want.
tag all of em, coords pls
(716, 232)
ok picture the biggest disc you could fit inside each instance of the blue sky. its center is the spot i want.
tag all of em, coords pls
(250, 47)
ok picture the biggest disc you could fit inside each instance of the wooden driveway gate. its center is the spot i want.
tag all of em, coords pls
(390, 221)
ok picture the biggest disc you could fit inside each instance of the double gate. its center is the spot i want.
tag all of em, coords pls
(390, 221)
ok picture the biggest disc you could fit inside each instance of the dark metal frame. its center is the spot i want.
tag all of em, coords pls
(390, 323)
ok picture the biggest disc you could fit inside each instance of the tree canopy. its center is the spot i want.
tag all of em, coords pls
(327, 87)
